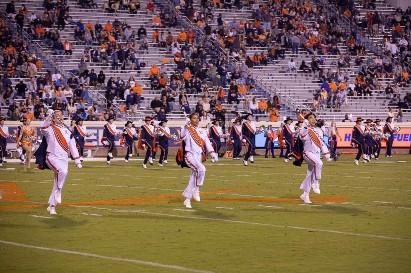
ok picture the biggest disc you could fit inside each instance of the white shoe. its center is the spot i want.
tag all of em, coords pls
(144, 166)
(251, 159)
(316, 188)
(110, 155)
(1, 164)
(356, 162)
(286, 160)
(108, 162)
(196, 195)
(150, 160)
(305, 198)
(160, 165)
(165, 161)
(245, 162)
(212, 160)
(52, 210)
(130, 155)
(187, 204)
(58, 196)
(126, 160)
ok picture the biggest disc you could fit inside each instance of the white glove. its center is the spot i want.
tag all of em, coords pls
(214, 157)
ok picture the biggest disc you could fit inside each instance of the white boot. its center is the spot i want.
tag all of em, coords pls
(306, 198)
(187, 204)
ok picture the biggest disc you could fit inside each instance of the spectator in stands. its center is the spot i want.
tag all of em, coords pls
(292, 68)
(21, 89)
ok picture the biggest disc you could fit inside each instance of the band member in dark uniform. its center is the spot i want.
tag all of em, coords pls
(4, 134)
(109, 136)
(163, 137)
(358, 139)
(270, 136)
(79, 134)
(129, 136)
(288, 135)
(248, 131)
(148, 140)
(389, 131)
(235, 137)
(215, 134)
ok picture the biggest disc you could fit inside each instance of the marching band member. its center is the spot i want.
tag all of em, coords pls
(109, 136)
(370, 144)
(314, 146)
(235, 137)
(59, 146)
(288, 133)
(163, 133)
(25, 140)
(248, 131)
(333, 130)
(358, 139)
(378, 136)
(129, 136)
(148, 140)
(195, 141)
(4, 134)
(270, 136)
(389, 131)
(215, 133)
(79, 134)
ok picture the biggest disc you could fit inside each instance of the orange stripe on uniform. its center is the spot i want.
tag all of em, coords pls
(61, 140)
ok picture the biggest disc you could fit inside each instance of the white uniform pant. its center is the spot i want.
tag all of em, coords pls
(60, 168)
(315, 166)
(193, 160)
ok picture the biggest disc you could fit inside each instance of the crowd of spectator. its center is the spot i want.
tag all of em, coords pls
(275, 26)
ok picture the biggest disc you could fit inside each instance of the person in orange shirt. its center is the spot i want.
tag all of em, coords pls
(262, 106)
(155, 36)
(156, 21)
(333, 86)
(187, 74)
(221, 95)
(342, 86)
(108, 26)
(274, 115)
(190, 36)
(163, 80)
(136, 91)
(154, 70)
(242, 89)
(182, 37)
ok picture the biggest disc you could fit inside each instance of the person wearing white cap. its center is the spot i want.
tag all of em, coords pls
(195, 143)
(60, 145)
(314, 146)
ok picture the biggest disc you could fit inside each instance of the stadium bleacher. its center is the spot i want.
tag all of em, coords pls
(250, 42)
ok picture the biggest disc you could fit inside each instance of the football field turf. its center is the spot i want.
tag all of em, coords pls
(121, 218)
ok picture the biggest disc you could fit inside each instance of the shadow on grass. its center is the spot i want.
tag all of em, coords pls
(60, 221)
(341, 209)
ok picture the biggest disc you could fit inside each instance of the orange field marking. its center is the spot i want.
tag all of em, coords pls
(10, 192)
(176, 198)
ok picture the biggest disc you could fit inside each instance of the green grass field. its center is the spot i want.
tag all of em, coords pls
(122, 218)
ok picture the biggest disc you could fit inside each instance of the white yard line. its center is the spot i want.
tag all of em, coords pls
(227, 208)
(110, 258)
(91, 214)
(39, 216)
(383, 202)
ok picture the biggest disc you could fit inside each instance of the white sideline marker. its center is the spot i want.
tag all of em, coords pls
(110, 258)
